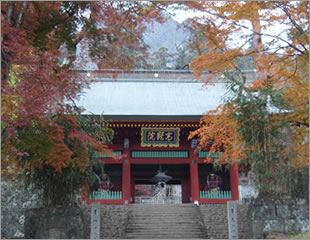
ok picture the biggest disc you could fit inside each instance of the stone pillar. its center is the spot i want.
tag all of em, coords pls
(234, 182)
(95, 221)
(232, 220)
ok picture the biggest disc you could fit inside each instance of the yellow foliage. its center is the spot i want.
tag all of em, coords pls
(218, 131)
(282, 59)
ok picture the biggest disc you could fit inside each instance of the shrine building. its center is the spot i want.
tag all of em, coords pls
(152, 113)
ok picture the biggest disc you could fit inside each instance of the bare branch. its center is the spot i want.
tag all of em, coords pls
(284, 9)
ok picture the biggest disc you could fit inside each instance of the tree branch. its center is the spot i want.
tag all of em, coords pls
(284, 9)
(298, 27)
(258, 33)
(298, 123)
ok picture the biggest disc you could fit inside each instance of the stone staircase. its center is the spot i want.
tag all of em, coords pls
(164, 221)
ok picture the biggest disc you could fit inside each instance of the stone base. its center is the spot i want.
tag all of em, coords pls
(286, 217)
(216, 223)
(113, 221)
(54, 223)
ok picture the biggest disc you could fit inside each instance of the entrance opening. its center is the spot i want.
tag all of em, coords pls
(159, 194)
(147, 190)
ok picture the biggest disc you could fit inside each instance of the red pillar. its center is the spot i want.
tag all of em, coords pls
(126, 181)
(186, 191)
(133, 190)
(234, 182)
(194, 177)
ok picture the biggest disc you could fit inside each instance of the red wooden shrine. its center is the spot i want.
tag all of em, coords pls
(137, 162)
(152, 113)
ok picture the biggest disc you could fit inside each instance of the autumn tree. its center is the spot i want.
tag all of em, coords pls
(33, 33)
(275, 36)
(38, 48)
(59, 157)
(162, 58)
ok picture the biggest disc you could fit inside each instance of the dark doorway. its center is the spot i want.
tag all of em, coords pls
(176, 190)
(221, 176)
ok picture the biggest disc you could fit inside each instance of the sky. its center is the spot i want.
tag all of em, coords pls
(181, 15)
(278, 29)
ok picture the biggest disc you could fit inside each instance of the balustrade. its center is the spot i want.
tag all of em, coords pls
(107, 195)
(215, 195)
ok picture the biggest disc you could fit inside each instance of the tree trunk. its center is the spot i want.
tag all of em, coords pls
(20, 15)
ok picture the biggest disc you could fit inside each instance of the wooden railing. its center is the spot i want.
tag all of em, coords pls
(106, 195)
(215, 195)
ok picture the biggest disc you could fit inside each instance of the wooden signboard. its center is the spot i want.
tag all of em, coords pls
(160, 137)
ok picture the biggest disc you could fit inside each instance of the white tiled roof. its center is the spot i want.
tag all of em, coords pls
(151, 98)
(128, 96)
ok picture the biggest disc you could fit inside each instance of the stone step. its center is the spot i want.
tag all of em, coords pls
(161, 212)
(160, 223)
(155, 226)
(167, 233)
(160, 206)
(176, 213)
(192, 216)
(162, 209)
(183, 205)
(165, 236)
(164, 214)
(161, 229)
(177, 217)
(164, 222)
(162, 217)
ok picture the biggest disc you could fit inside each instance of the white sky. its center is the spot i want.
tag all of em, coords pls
(181, 15)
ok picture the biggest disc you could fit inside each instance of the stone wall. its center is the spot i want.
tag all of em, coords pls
(15, 200)
(243, 229)
(216, 222)
(113, 220)
(54, 223)
(278, 216)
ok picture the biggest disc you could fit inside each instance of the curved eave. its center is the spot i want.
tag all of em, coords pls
(155, 117)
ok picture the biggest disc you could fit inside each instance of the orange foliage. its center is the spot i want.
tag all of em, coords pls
(281, 57)
(218, 132)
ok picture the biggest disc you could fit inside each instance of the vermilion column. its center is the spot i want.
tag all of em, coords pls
(126, 180)
(234, 182)
(194, 177)
(186, 190)
(133, 189)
